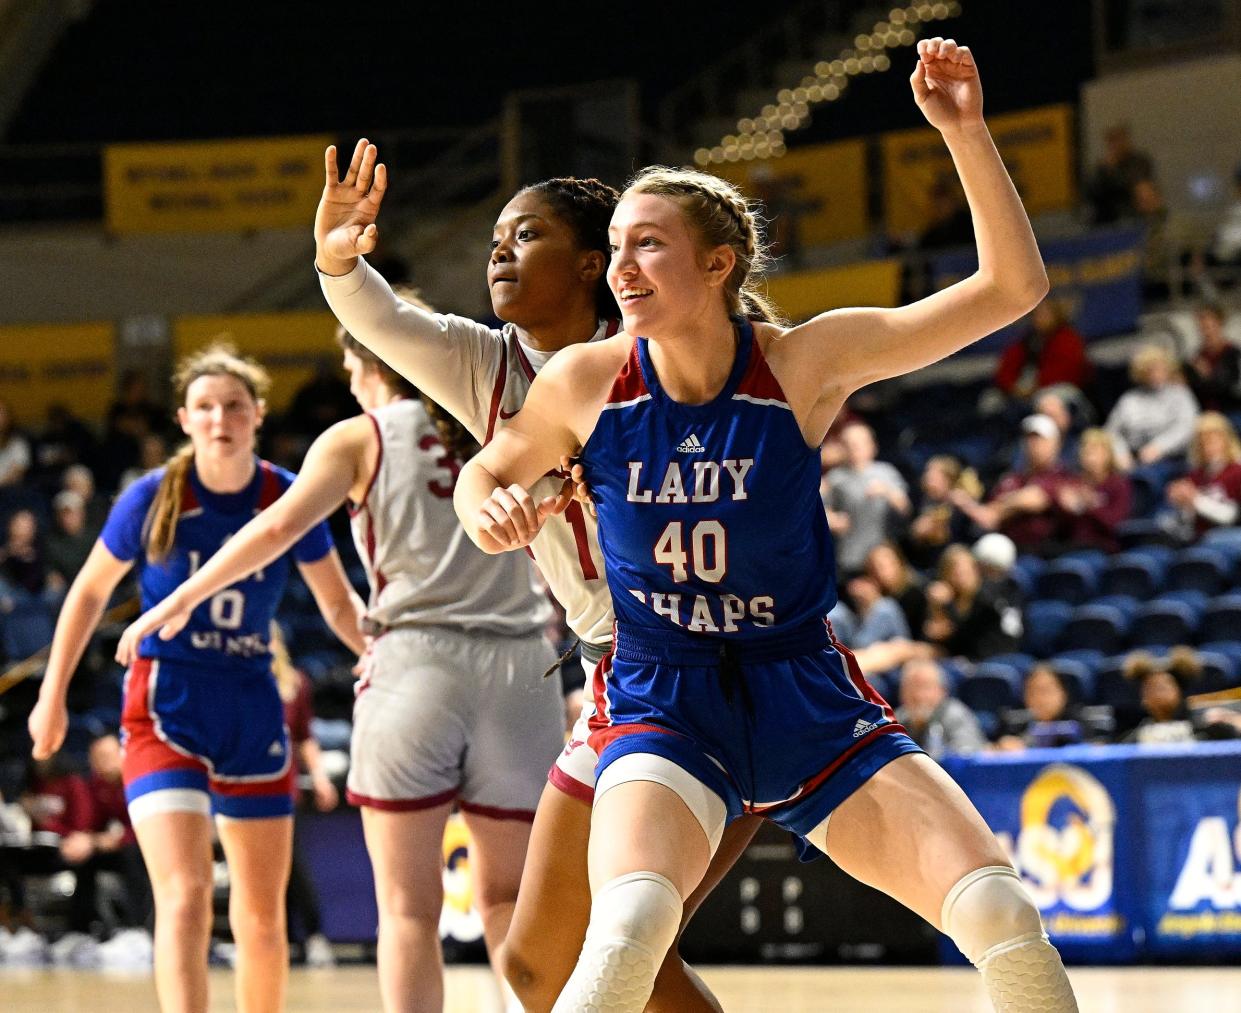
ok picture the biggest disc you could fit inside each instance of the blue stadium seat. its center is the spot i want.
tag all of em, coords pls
(1222, 619)
(26, 625)
(1098, 627)
(1088, 656)
(1044, 622)
(1226, 540)
(1136, 573)
(1139, 531)
(991, 688)
(1025, 574)
(1230, 649)
(1112, 689)
(1164, 623)
(1201, 568)
(1219, 671)
(1078, 676)
(1071, 578)
(1021, 663)
(1128, 605)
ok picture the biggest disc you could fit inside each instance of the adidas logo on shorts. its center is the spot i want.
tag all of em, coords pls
(275, 749)
(864, 727)
(690, 445)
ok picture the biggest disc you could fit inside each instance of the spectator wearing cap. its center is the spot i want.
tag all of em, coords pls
(1098, 498)
(863, 498)
(1022, 504)
(1210, 495)
(69, 542)
(1154, 420)
(996, 554)
(939, 723)
(1214, 372)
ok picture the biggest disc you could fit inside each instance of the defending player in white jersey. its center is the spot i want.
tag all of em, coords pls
(451, 706)
(549, 251)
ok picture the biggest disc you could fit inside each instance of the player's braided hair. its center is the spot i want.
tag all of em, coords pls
(220, 358)
(723, 217)
(455, 438)
(586, 205)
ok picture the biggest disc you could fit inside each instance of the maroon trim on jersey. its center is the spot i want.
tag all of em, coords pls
(271, 489)
(600, 740)
(524, 363)
(491, 812)
(758, 380)
(400, 805)
(189, 498)
(497, 393)
(356, 508)
(571, 786)
(629, 383)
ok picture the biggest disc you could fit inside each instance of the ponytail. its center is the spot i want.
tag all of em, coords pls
(160, 528)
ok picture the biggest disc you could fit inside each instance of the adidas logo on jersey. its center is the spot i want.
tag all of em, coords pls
(690, 445)
(275, 749)
(864, 727)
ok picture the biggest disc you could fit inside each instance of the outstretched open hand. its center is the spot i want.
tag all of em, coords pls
(345, 222)
(946, 84)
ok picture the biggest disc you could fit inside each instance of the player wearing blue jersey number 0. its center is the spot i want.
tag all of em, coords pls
(202, 720)
(726, 692)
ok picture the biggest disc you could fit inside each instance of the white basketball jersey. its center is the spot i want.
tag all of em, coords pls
(422, 566)
(480, 376)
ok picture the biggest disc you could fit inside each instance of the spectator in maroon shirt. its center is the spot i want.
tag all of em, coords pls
(1051, 351)
(1214, 373)
(1098, 498)
(1210, 495)
(115, 846)
(1023, 502)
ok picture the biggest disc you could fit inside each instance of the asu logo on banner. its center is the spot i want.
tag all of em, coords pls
(459, 918)
(1065, 851)
(213, 186)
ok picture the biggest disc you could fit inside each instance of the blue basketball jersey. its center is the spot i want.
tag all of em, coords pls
(709, 515)
(231, 627)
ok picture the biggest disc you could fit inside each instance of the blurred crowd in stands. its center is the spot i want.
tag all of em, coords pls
(1047, 557)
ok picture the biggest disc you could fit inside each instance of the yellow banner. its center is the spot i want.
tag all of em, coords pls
(41, 364)
(213, 186)
(819, 191)
(1036, 145)
(290, 346)
(804, 294)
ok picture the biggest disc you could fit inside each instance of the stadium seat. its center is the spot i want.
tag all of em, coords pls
(1164, 623)
(1078, 676)
(1091, 658)
(1112, 689)
(1230, 649)
(1044, 623)
(991, 688)
(1219, 671)
(1135, 573)
(1025, 574)
(1127, 604)
(1139, 531)
(1021, 663)
(1073, 579)
(1201, 568)
(1098, 627)
(26, 625)
(1226, 540)
(1222, 619)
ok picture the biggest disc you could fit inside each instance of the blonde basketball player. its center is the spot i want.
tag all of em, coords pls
(452, 706)
(546, 277)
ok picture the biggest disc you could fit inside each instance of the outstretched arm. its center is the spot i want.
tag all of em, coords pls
(439, 354)
(333, 467)
(854, 347)
(338, 602)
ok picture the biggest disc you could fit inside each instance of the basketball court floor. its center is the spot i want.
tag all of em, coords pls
(740, 989)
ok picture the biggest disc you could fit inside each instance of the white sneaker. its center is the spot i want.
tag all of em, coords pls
(23, 947)
(319, 952)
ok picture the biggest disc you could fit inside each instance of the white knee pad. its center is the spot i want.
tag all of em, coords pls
(994, 922)
(633, 921)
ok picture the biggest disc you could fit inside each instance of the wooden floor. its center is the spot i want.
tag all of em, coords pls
(740, 989)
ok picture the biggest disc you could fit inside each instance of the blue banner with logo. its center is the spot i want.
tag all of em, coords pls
(1129, 851)
(1097, 275)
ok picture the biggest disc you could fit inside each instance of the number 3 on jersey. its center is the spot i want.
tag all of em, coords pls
(707, 554)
